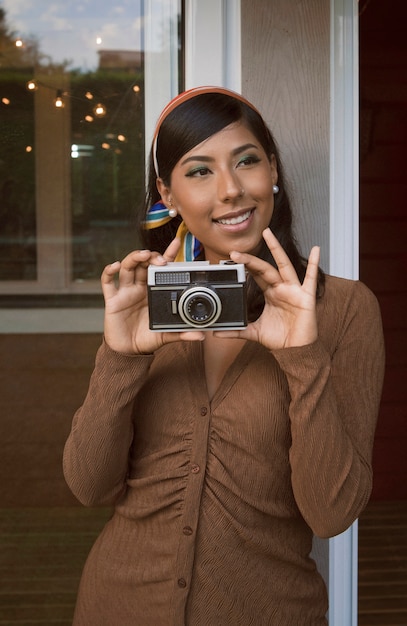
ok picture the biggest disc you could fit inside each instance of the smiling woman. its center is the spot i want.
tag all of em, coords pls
(218, 446)
(227, 151)
(227, 198)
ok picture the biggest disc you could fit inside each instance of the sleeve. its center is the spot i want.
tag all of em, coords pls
(333, 411)
(95, 460)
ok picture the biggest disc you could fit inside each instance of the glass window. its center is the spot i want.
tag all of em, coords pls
(72, 150)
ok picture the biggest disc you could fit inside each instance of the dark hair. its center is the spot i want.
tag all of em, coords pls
(188, 125)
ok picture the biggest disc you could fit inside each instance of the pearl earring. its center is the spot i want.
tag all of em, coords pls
(276, 189)
(173, 211)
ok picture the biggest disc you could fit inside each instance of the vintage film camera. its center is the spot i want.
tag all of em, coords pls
(197, 295)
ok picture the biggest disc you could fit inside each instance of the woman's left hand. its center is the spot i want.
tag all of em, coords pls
(289, 315)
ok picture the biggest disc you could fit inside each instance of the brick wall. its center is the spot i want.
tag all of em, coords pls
(43, 380)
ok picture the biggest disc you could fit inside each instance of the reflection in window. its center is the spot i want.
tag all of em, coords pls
(72, 140)
(107, 160)
(17, 172)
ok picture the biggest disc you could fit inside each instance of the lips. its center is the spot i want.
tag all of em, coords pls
(235, 219)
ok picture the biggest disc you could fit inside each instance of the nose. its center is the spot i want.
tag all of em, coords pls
(229, 187)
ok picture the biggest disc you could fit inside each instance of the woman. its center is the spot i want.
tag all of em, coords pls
(223, 452)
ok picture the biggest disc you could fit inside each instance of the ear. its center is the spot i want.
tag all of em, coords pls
(273, 168)
(164, 191)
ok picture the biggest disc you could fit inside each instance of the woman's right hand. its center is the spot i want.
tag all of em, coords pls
(124, 285)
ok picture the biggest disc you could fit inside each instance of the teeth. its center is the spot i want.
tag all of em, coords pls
(236, 220)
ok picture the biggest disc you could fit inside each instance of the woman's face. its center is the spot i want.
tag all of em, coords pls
(223, 190)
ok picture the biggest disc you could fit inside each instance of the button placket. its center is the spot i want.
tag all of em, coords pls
(188, 529)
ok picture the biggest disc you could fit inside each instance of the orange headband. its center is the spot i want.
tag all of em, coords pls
(188, 95)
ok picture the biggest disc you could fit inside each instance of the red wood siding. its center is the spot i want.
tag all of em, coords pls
(383, 223)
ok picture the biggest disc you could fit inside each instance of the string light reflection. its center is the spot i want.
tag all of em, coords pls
(100, 110)
(59, 103)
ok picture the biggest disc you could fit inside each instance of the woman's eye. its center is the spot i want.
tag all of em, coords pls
(249, 159)
(198, 171)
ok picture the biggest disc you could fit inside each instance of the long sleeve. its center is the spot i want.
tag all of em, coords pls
(96, 453)
(335, 394)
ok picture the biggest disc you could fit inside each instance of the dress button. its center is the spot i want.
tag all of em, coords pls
(195, 469)
(204, 411)
(182, 583)
(187, 530)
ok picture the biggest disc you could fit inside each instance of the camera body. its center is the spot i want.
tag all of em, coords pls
(196, 295)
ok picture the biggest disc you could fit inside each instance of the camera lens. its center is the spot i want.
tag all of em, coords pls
(199, 307)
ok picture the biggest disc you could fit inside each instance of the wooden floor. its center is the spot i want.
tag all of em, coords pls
(42, 552)
(383, 565)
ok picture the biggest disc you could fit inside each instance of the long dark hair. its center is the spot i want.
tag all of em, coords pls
(188, 125)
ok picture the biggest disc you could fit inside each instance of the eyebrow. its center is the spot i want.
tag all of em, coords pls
(235, 152)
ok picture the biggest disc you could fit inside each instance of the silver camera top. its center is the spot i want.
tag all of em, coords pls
(188, 271)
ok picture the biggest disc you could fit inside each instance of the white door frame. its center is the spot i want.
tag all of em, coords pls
(213, 43)
(344, 251)
(213, 47)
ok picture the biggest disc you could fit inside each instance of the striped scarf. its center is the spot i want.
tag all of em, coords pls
(157, 216)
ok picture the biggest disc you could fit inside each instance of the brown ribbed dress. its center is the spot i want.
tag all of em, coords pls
(216, 502)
